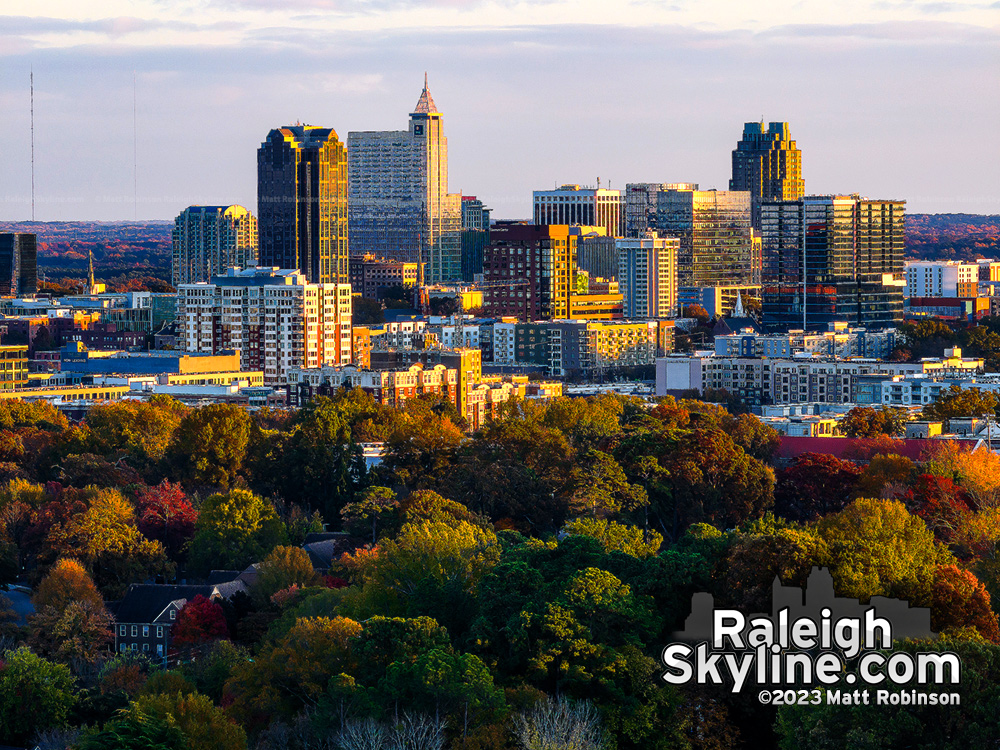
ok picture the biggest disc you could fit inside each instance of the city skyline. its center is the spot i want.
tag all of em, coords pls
(658, 95)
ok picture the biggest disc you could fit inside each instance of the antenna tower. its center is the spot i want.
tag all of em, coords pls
(135, 151)
(31, 86)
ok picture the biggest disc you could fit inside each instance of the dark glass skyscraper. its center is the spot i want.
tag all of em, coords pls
(768, 165)
(18, 263)
(832, 258)
(302, 202)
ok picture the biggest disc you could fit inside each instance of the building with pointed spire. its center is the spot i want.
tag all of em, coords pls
(398, 201)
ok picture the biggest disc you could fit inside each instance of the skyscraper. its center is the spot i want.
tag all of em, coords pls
(647, 275)
(832, 258)
(768, 164)
(209, 239)
(716, 247)
(302, 202)
(399, 205)
(573, 205)
(640, 204)
(18, 263)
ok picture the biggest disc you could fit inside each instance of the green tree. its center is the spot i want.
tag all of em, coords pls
(210, 444)
(616, 537)
(869, 422)
(141, 430)
(877, 548)
(601, 489)
(961, 402)
(135, 729)
(233, 530)
(371, 509)
(28, 680)
(204, 726)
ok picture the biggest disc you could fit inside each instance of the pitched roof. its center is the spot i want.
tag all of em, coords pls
(425, 104)
(143, 602)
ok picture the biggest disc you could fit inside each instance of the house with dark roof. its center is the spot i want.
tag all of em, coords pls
(147, 611)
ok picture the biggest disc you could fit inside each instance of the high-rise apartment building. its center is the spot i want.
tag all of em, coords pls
(475, 236)
(399, 202)
(768, 164)
(832, 258)
(209, 239)
(530, 270)
(647, 275)
(640, 204)
(475, 215)
(18, 263)
(573, 205)
(302, 202)
(597, 254)
(716, 245)
(369, 275)
(276, 319)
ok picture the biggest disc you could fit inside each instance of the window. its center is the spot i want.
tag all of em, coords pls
(122, 647)
(173, 614)
(123, 630)
(159, 631)
(135, 631)
(159, 649)
(145, 647)
(145, 631)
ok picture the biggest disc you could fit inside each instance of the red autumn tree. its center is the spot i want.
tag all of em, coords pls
(943, 504)
(199, 621)
(814, 485)
(961, 600)
(164, 513)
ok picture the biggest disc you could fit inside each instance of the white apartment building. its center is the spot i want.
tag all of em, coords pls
(273, 317)
(647, 275)
(925, 278)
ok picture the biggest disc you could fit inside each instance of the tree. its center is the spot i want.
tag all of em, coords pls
(79, 633)
(960, 600)
(210, 444)
(559, 724)
(28, 680)
(141, 430)
(616, 537)
(886, 476)
(978, 471)
(421, 452)
(233, 530)
(877, 548)
(942, 504)
(204, 726)
(283, 567)
(869, 422)
(757, 555)
(135, 729)
(697, 312)
(601, 489)
(372, 508)
(200, 620)
(67, 581)
(961, 402)
(713, 480)
(815, 484)
(166, 515)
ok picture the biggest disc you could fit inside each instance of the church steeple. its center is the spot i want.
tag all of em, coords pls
(425, 104)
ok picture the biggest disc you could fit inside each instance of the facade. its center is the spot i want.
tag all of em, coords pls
(926, 278)
(528, 270)
(640, 204)
(274, 318)
(209, 239)
(468, 363)
(647, 275)
(369, 274)
(18, 263)
(597, 255)
(832, 258)
(399, 204)
(475, 215)
(716, 246)
(302, 202)
(13, 367)
(768, 164)
(571, 204)
(839, 341)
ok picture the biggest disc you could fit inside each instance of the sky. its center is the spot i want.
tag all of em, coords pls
(144, 107)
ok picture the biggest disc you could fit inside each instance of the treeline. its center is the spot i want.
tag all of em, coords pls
(508, 587)
(952, 236)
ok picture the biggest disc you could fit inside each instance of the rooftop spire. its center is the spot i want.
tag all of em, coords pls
(425, 104)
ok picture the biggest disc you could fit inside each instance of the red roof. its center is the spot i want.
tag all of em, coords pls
(915, 449)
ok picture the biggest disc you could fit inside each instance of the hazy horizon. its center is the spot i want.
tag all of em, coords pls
(896, 102)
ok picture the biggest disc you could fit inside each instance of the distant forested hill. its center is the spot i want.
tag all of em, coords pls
(952, 236)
